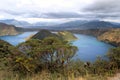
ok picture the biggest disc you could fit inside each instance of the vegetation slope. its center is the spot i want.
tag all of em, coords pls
(112, 36)
(63, 35)
(7, 29)
(67, 36)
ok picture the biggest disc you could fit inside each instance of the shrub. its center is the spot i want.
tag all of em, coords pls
(114, 57)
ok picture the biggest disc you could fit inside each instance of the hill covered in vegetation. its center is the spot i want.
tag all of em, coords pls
(8, 54)
(43, 34)
(112, 36)
(7, 29)
(68, 36)
(63, 35)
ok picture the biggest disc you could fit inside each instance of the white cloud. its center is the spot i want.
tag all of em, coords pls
(29, 7)
(1, 17)
(112, 20)
(48, 10)
(43, 5)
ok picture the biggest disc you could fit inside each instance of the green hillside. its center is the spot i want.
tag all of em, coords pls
(64, 35)
(112, 37)
(68, 36)
(7, 30)
(43, 34)
(8, 54)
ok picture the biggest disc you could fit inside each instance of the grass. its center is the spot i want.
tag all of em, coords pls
(44, 75)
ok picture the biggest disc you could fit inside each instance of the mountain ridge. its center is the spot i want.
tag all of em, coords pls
(76, 24)
(86, 25)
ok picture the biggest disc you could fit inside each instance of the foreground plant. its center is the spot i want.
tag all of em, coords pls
(51, 53)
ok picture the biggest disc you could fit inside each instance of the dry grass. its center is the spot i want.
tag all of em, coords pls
(44, 75)
(116, 77)
(6, 75)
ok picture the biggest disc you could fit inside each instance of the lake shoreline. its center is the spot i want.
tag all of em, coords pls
(87, 45)
(74, 32)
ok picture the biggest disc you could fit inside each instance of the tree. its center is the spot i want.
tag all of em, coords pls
(114, 56)
(50, 53)
(100, 66)
(8, 55)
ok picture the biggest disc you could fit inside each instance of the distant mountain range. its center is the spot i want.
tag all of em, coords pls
(27, 24)
(86, 25)
(81, 24)
(15, 22)
(72, 25)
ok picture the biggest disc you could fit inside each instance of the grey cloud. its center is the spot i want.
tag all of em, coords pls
(105, 15)
(49, 15)
(104, 9)
(104, 6)
(11, 12)
(63, 15)
(99, 9)
(54, 15)
(60, 15)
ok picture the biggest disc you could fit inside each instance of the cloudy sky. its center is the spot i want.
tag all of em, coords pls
(60, 10)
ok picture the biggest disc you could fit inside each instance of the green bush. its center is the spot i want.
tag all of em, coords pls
(114, 57)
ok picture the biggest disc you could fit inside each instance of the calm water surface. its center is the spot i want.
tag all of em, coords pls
(15, 40)
(88, 46)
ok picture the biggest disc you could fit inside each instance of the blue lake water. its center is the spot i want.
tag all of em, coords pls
(15, 40)
(88, 46)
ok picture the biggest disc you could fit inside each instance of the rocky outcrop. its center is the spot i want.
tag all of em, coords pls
(112, 37)
(7, 29)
